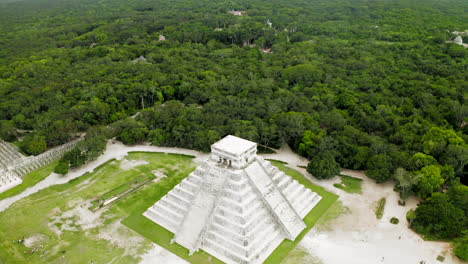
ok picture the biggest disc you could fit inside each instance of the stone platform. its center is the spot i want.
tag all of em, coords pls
(235, 206)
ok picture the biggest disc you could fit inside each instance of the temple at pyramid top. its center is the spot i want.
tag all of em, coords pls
(233, 151)
(235, 205)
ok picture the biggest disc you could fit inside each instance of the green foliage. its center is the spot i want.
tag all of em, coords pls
(379, 168)
(461, 246)
(7, 131)
(61, 168)
(394, 220)
(323, 166)
(458, 196)
(379, 209)
(430, 181)
(349, 184)
(304, 74)
(438, 138)
(437, 218)
(420, 160)
(405, 182)
(33, 144)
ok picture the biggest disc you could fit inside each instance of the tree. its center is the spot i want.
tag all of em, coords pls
(461, 246)
(323, 166)
(379, 168)
(133, 135)
(34, 144)
(405, 182)
(7, 131)
(419, 160)
(157, 137)
(430, 181)
(458, 196)
(305, 74)
(436, 139)
(437, 218)
(61, 168)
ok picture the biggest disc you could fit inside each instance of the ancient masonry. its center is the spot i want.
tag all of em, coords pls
(235, 206)
(13, 165)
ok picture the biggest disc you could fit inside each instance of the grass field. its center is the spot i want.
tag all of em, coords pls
(59, 208)
(349, 184)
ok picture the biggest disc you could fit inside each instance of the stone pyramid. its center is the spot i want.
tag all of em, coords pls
(236, 206)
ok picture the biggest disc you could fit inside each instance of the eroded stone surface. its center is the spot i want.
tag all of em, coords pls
(235, 205)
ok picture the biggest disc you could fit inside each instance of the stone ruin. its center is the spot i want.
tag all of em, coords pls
(236, 206)
(13, 165)
(458, 40)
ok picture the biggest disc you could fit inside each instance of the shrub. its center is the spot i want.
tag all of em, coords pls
(394, 221)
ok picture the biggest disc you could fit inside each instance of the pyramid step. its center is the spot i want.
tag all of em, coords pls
(218, 228)
(163, 210)
(300, 190)
(220, 251)
(194, 179)
(178, 199)
(265, 237)
(311, 204)
(266, 249)
(192, 188)
(277, 176)
(226, 242)
(161, 220)
(173, 206)
(183, 193)
(284, 182)
(291, 188)
(241, 218)
(241, 201)
(302, 206)
(301, 200)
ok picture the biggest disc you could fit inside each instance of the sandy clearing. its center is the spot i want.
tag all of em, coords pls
(35, 240)
(128, 164)
(358, 237)
(123, 237)
(157, 254)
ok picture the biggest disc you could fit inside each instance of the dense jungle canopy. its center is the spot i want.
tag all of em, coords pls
(371, 85)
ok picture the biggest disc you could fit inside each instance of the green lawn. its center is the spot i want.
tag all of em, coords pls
(29, 180)
(33, 215)
(349, 184)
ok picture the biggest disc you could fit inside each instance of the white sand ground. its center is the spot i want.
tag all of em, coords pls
(355, 238)
(360, 238)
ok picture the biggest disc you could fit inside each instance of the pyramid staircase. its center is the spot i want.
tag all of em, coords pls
(237, 215)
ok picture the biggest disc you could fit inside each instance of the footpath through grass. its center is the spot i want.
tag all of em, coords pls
(349, 184)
